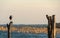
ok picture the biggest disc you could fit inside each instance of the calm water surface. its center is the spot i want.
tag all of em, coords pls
(3, 34)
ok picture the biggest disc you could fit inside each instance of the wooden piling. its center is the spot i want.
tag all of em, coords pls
(51, 26)
(9, 27)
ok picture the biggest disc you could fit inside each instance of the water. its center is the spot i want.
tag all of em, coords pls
(3, 34)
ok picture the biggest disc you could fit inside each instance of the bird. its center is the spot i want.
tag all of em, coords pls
(10, 17)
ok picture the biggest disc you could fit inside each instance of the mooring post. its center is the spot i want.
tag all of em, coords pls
(51, 26)
(9, 27)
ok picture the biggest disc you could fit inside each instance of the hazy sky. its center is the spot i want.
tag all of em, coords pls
(29, 11)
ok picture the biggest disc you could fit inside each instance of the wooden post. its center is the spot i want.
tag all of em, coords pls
(9, 26)
(51, 26)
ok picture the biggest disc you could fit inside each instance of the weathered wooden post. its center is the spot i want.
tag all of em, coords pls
(51, 26)
(9, 26)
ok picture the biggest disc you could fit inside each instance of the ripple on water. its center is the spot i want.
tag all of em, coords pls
(25, 35)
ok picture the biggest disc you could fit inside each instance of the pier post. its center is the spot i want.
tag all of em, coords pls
(9, 27)
(51, 26)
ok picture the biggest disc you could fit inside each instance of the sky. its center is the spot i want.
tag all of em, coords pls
(29, 11)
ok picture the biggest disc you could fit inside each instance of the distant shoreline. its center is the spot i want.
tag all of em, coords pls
(27, 29)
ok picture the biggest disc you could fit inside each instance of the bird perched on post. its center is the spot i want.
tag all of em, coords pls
(10, 17)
